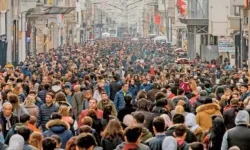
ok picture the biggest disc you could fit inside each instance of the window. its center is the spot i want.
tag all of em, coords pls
(237, 11)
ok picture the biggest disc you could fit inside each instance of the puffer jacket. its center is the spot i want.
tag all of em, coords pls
(205, 113)
(119, 100)
(60, 128)
(42, 95)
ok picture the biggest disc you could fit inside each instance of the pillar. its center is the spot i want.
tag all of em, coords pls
(9, 31)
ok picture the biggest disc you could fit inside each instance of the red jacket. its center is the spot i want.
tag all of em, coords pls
(84, 113)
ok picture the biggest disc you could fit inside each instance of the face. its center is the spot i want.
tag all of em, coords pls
(125, 87)
(7, 87)
(33, 95)
(101, 85)
(243, 89)
(104, 97)
(132, 82)
(45, 80)
(7, 110)
(92, 104)
(49, 99)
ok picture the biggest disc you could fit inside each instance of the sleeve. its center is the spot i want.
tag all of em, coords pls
(116, 103)
(224, 145)
(74, 106)
(114, 112)
(39, 119)
(108, 90)
(198, 119)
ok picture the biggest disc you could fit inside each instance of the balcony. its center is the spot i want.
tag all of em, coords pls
(237, 2)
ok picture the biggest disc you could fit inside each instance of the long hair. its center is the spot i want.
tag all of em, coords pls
(61, 97)
(13, 99)
(113, 129)
(64, 110)
(36, 139)
(217, 131)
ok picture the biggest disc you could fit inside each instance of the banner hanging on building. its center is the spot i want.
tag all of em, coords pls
(182, 5)
(157, 19)
(226, 44)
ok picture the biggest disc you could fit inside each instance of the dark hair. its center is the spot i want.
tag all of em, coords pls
(24, 132)
(85, 140)
(178, 119)
(124, 84)
(127, 99)
(217, 130)
(159, 124)
(142, 104)
(180, 130)
(32, 92)
(156, 86)
(49, 143)
(160, 95)
(51, 94)
(24, 118)
(196, 146)
(107, 111)
(57, 138)
(133, 133)
(139, 117)
(115, 78)
(47, 87)
(180, 91)
(208, 100)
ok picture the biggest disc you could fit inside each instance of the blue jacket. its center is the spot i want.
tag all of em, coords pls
(44, 115)
(107, 89)
(155, 143)
(133, 90)
(147, 87)
(38, 102)
(244, 96)
(60, 128)
(42, 95)
(119, 100)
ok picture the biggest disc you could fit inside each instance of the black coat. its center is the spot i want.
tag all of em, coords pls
(128, 109)
(114, 88)
(3, 122)
(151, 94)
(190, 137)
(229, 117)
(111, 143)
(148, 118)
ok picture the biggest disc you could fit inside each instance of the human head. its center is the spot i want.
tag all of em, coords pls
(244, 88)
(139, 118)
(196, 146)
(180, 132)
(104, 97)
(49, 98)
(87, 121)
(88, 94)
(85, 141)
(24, 118)
(178, 119)
(113, 129)
(242, 118)
(93, 104)
(36, 139)
(180, 91)
(55, 115)
(64, 110)
(85, 129)
(49, 143)
(71, 144)
(133, 134)
(142, 104)
(125, 87)
(128, 99)
(33, 120)
(32, 93)
(169, 143)
(158, 125)
(58, 140)
(16, 142)
(24, 132)
(30, 100)
(7, 109)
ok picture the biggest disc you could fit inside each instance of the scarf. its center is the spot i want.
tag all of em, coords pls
(8, 124)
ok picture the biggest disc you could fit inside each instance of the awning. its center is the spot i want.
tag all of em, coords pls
(48, 10)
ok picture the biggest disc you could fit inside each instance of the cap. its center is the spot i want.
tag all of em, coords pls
(203, 95)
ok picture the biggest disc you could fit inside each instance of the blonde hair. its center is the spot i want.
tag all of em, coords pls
(179, 109)
(193, 85)
(29, 100)
(77, 88)
(64, 111)
(36, 140)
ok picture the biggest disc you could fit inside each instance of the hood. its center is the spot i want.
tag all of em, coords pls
(190, 121)
(18, 126)
(57, 126)
(201, 99)
(169, 143)
(63, 103)
(208, 108)
(56, 88)
(242, 118)
(16, 142)
(167, 120)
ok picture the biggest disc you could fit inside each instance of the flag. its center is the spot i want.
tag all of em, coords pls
(182, 5)
(157, 19)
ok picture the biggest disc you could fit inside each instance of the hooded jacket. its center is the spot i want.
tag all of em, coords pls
(176, 99)
(155, 143)
(239, 135)
(205, 113)
(193, 126)
(16, 142)
(169, 143)
(60, 128)
(13, 131)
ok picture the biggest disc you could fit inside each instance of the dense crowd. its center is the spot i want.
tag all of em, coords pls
(123, 95)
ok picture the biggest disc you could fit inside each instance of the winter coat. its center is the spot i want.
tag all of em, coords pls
(197, 103)
(19, 111)
(3, 146)
(151, 94)
(190, 137)
(3, 122)
(101, 106)
(146, 134)
(38, 102)
(146, 87)
(32, 110)
(176, 99)
(44, 114)
(125, 145)
(77, 103)
(111, 143)
(60, 128)
(229, 117)
(205, 113)
(114, 88)
(119, 100)
(190, 122)
(13, 131)
(157, 111)
(128, 109)
(42, 95)
(155, 143)
(133, 90)
(148, 118)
